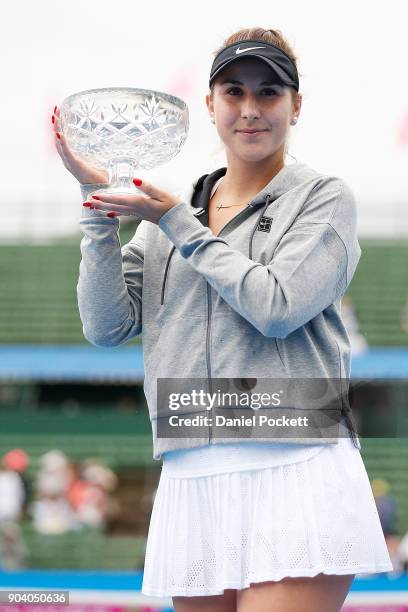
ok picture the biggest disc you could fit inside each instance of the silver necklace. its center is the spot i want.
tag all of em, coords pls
(230, 206)
(219, 206)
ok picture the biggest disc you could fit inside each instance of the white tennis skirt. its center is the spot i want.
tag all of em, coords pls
(226, 531)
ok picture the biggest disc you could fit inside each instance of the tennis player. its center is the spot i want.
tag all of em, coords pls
(240, 278)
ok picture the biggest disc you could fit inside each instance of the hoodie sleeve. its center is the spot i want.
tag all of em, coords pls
(109, 288)
(311, 267)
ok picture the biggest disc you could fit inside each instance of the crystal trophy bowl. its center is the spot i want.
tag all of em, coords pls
(119, 129)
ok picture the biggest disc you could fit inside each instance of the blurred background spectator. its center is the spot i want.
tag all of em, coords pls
(386, 505)
(12, 489)
(70, 496)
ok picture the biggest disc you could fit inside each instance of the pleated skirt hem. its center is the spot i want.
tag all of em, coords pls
(231, 530)
(152, 591)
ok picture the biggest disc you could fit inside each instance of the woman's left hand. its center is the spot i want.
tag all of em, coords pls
(149, 207)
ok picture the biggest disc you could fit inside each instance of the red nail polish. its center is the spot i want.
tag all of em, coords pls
(86, 204)
(137, 182)
(53, 119)
(96, 197)
(58, 136)
(111, 215)
(55, 109)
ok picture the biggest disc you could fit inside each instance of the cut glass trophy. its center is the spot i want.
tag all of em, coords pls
(121, 129)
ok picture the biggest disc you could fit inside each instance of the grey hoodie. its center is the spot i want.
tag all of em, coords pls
(261, 299)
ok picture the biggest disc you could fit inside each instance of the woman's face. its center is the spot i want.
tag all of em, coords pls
(247, 95)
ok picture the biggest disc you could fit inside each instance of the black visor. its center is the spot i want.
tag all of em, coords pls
(276, 59)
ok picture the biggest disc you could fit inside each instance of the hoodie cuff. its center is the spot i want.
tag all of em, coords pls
(86, 190)
(179, 224)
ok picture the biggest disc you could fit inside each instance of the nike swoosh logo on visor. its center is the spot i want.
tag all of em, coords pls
(248, 49)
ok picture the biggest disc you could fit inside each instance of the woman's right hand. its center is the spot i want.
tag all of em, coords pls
(83, 172)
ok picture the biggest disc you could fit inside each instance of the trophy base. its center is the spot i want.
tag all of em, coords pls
(120, 190)
(121, 172)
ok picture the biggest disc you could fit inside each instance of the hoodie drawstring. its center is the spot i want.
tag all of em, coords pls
(173, 248)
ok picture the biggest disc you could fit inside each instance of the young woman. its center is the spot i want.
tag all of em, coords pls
(240, 278)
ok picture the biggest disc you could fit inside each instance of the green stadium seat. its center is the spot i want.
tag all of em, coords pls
(40, 301)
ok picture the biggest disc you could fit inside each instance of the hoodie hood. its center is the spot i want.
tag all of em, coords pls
(291, 175)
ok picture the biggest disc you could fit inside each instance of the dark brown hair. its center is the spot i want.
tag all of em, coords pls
(273, 36)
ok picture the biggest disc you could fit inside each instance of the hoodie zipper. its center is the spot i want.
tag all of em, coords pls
(207, 346)
(209, 309)
(209, 315)
(209, 295)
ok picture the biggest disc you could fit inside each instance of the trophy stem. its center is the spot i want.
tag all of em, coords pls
(121, 170)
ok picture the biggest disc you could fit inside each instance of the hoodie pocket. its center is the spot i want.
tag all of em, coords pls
(178, 352)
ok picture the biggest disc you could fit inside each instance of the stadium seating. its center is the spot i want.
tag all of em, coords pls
(85, 549)
(118, 439)
(39, 303)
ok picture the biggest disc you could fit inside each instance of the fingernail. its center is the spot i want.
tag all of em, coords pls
(58, 136)
(137, 182)
(53, 119)
(86, 204)
(111, 215)
(95, 197)
(55, 109)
